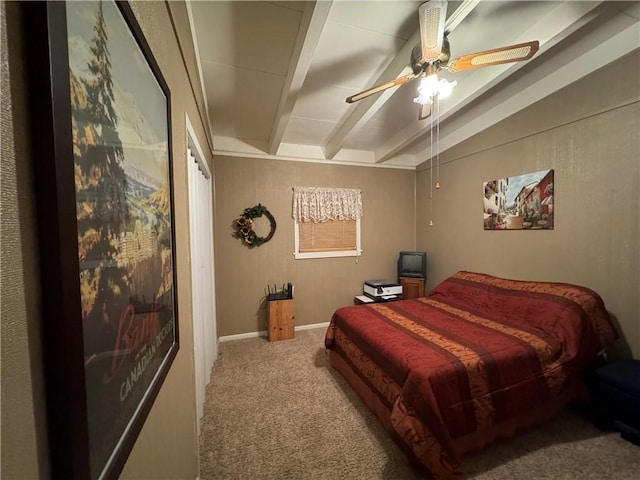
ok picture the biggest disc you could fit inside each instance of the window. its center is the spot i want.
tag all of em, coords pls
(327, 222)
(334, 238)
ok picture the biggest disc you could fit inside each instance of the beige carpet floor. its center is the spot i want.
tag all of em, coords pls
(277, 411)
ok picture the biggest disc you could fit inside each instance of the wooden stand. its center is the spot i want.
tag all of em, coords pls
(361, 299)
(412, 287)
(281, 320)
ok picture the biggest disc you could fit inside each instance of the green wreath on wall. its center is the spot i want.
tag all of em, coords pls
(243, 226)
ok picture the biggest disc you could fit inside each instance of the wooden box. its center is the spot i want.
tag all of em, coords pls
(281, 319)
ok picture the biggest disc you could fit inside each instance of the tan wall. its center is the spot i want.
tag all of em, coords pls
(589, 134)
(167, 446)
(24, 443)
(321, 285)
(595, 243)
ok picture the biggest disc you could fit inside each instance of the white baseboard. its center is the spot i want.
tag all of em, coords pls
(263, 333)
(312, 326)
(241, 336)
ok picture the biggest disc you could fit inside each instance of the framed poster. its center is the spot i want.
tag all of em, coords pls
(522, 202)
(102, 143)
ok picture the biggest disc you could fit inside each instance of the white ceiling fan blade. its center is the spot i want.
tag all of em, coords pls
(510, 54)
(379, 88)
(432, 16)
(424, 111)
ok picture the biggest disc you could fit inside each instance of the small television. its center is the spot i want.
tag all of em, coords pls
(412, 264)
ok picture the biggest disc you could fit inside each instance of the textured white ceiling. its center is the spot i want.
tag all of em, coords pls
(276, 74)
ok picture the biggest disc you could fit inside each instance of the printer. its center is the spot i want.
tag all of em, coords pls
(382, 290)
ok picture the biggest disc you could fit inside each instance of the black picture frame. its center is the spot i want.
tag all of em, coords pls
(101, 117)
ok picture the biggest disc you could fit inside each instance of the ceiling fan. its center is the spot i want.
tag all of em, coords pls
(432, 55)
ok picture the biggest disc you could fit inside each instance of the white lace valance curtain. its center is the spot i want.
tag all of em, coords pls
(324, 204)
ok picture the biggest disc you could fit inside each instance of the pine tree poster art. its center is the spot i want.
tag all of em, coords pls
(123, 209)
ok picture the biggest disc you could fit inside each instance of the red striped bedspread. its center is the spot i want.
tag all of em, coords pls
(477, 351)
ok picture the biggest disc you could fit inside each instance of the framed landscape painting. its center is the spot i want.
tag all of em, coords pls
(101, 117)
(523, 202)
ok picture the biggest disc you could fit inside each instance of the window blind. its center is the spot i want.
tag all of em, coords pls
(331, 236)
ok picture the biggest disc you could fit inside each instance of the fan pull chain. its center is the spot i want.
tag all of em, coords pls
(431, 170)
(437, 102)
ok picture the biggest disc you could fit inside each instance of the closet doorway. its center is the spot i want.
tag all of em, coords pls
(205, 339)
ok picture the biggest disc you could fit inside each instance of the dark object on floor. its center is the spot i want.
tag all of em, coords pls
(615, 389)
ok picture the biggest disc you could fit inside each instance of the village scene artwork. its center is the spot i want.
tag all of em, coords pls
(123, 209)
(523, 202)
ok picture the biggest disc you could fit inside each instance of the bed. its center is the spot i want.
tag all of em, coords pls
(476, 359)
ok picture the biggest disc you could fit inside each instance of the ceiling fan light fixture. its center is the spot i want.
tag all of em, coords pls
(432, 86)
(433, 54)
(445, 88)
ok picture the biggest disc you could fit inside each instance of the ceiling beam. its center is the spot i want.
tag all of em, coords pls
(313, 19)
(616, 39)
(554, 27)
(460, 14)
(206, 121)
(367, 107)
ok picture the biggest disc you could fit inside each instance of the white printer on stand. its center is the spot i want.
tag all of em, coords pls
(382, 290)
